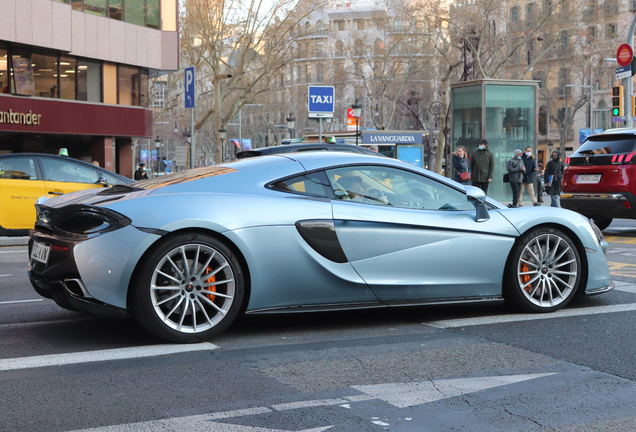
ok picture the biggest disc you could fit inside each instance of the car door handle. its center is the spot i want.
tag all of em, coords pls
(56, 193)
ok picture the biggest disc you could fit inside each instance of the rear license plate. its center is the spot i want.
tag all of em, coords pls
(588, 178)
(40, 252)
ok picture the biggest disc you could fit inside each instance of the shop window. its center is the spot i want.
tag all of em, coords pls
(45, 75)
(134, 12)
(128, 79)
(77, 5)
(22, 82)
(67, 77)
(89, 80)
(4, 74)
(116, 9)
(110, 83)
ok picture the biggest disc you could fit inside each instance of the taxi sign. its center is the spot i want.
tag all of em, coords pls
(624, 54)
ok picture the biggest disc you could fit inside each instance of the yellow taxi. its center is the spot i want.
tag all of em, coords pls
(25, 177)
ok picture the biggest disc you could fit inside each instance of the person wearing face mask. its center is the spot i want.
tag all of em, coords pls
(554, 175)
(482, 166)
(516, 169)
(528, 176)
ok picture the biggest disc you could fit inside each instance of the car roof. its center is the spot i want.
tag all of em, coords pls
(7, 155)
(292, 148)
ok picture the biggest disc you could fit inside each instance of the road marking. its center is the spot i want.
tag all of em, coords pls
(20, 301)
(498, 319)
(401, 395)
(7, 275)
(404, 395)
(8, 252)
(622, 269)
(101, 355)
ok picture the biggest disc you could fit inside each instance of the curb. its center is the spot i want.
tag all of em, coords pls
(14, 241)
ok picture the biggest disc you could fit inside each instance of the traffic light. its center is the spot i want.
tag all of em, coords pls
(617, 101)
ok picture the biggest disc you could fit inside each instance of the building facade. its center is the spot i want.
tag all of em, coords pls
(74, 74)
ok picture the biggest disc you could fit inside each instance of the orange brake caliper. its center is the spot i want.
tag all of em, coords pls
(525, 278)
(211, 279)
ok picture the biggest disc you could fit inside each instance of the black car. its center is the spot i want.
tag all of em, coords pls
(292, 148)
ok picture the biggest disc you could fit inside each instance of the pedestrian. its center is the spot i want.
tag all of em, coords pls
(482, 166)
(141, 173)
(554, 173)
(528, 176)
(374, 148)
(540, 183)
(462, 166)
(516, 169)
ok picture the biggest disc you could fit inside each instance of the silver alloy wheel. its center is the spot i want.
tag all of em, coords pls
(547, 270)
(192, 288)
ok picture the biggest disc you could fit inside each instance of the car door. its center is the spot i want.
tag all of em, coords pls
(20, 187)
(414, 238)
(63, 175)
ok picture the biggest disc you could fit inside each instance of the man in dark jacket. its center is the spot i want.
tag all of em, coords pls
(554, 175)
(528, 176)
(141, 173)
(482, 166)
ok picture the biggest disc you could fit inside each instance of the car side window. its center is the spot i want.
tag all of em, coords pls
(18, 168)
(388, 186)
(347, 149)
(68, 171)
(112, 180)
(312, 184)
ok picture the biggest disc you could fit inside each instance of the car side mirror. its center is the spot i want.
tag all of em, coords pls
(103, 181)
(478, 198)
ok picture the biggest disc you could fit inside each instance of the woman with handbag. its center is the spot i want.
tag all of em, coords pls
(462, 166)
(515, 168)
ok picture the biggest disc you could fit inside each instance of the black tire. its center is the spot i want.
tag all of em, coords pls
(602, 222)
(543, 272)
(167, 310)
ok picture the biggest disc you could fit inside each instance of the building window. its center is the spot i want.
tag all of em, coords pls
(89, 80)
(563, 43)
(360, 24)
(153, 18)
(320, 77)
(590, 35)
(159, 95)
(359, 48)
(320, 48)
(96, 7)
(339, 49)
(610, 32)
(128, 80)
(116, 9)
(357, 69)
(514, 14)
(340, 25)
(4, 74)
(308, 73)
(530, 13)
(564, 78)
(358, 92)
(339, 72)
(543, 120)
(67, 77)
(378, 47)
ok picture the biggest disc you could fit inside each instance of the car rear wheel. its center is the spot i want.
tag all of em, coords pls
(602, 222)
(544, 271)
(189, 289)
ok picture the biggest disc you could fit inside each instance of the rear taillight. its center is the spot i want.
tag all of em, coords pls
(624, 158)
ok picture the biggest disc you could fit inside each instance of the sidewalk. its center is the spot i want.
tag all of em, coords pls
(14, 241)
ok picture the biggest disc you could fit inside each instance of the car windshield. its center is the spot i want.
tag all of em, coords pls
(607, 144)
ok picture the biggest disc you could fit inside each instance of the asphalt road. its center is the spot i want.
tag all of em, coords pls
(420, 369)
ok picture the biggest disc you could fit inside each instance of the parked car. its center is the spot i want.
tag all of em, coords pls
(185, 253)
(25, 177)
(599, 180)
(293, 148)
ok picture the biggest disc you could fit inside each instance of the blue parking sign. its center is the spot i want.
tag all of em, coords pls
(320, 101)
(189, 87)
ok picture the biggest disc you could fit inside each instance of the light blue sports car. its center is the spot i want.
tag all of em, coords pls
(186, 253)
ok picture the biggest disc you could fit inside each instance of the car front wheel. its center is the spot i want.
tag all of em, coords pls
(544, 271)
(189, 289)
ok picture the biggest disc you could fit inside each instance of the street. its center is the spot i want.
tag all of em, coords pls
(417, 369)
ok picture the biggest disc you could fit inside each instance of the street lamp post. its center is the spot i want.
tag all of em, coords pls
(157, 145)
(357, 113)
(291, 123)
(222, 135)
